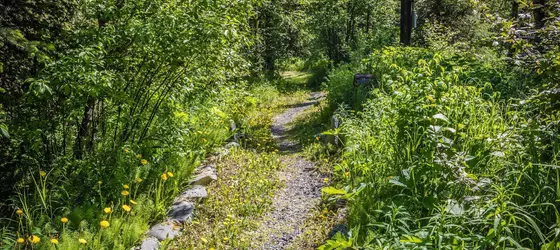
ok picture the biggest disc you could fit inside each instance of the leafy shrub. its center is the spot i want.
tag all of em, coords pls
(438, 158)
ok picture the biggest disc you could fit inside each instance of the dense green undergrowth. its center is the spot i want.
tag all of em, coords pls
(446, 150)
(138, 190)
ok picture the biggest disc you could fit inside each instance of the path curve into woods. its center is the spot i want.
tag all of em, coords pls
(302, 190)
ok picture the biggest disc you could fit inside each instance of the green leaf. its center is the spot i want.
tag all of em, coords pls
(4, 131)
(333, 191)
(410, 239)
(441, 117)
(395, 181)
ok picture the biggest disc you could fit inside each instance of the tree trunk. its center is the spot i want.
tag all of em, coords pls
(514, 9)
(368, 20)
(83, 129)
(350, 23)
(539, 13)
(540, 16)
(406, 22)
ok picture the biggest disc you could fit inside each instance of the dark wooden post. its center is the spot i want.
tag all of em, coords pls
(539, 13)
(540, 16)
(514, 9)
(406, 21)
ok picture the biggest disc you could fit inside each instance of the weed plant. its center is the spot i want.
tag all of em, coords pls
(102, 206)
(444, 154)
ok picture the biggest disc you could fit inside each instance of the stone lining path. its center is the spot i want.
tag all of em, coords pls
(302, 191)
(291, 205)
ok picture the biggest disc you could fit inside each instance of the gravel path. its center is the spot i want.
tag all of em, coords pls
(302, 192)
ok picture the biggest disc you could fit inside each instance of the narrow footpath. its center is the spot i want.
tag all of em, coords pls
(302, 191)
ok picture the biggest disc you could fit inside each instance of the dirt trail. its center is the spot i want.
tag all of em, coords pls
(302, 192)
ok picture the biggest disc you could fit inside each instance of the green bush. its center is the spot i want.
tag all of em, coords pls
(438, 158)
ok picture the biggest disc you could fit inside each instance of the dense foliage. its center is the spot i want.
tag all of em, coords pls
(437, 158)
(106, 107)
(110, 105)
(454, 146)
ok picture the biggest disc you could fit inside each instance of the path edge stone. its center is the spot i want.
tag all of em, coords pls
(182, 209)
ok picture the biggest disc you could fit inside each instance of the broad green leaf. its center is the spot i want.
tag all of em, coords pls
(441, 117)
(410, 239)
(333, 191)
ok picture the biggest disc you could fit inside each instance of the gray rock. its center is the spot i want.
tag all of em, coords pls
(181, 211)
(150, 243)
(204, 178)
(163, 231)
(222, 152)
(196, 191)
(232, 145)
(339, 228)
(205, 168)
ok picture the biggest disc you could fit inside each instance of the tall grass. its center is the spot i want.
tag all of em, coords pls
(64, 210)
(440, 158)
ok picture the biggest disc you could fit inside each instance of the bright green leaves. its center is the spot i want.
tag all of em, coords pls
(338, 242)
(447, 158)
(4, 131)
(441, 117)
(333, 191)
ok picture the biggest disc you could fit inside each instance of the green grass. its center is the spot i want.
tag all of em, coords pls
(247, 182)
(435, 159)
(247, 177)
(203, 127)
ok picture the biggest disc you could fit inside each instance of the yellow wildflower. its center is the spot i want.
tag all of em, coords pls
(107, 210)
(125, 186)
(203, 239)
(34, 239)
(126, 150)
(325, 180)
(99, 182)
(347, 174)
(138, 179)
(64, 220)
(169, 174)
(54, 241)
(124, 193)
(211, 248)
(19, 212)
(133, 202)
(164, 176)
(20, 240)
(82, 241)
(431, 98)
(126, 208)
(226, 238)
(104, 224)
(143, 161)
(42, 173)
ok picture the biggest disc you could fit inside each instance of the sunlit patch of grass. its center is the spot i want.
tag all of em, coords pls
(256, 124)
(247, 182)
(318, 227)
(293, 81)
(308, 129)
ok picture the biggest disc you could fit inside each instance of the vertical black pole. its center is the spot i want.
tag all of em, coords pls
(406, 22)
